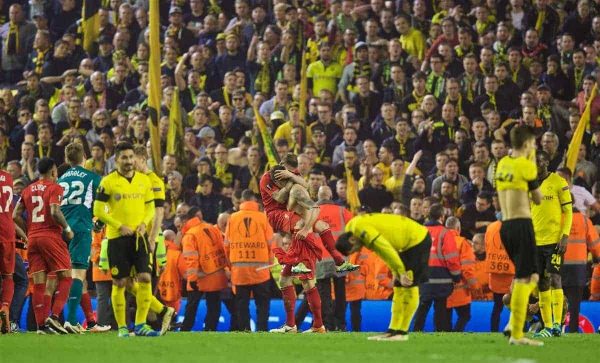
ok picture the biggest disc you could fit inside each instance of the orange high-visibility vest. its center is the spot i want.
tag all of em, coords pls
(444, 260)
(97, 274)
(583, 238)
(337, 217)
(356, 280)
(378, 282)
(248, 239)
(499, 265)
(204, 256)
(169, 283)
(461, 295)
(482, 291)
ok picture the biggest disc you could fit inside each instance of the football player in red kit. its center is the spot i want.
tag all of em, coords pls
(47, 251)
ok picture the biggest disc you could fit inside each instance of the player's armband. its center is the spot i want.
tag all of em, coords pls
(534, 184)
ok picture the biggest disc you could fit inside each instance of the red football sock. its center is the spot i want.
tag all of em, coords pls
(329, 243)
(314, 302)
(62, 294)
(8, 289)
(86, 305)
(289, 303)
(47, 303)
(38, 299)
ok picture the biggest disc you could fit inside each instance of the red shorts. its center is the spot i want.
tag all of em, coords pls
(7, 258)
(306, 251)
(48, 253)
(283, 220)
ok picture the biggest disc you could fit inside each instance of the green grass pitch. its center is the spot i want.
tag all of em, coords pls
(266, 348)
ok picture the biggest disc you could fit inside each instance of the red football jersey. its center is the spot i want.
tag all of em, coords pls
(6, 208)
(37, 199)
(267, 188)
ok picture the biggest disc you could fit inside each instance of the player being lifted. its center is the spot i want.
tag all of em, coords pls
(552, 225)
(291, 210)
(79, 191)
(516, 176)
(281, 188)
(47, 252)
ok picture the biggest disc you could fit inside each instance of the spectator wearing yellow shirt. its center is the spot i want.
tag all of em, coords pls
(324, 73)
(394, 183)
(284, 131)
(412, 40)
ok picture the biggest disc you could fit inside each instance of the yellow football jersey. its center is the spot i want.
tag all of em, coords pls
(549, 217)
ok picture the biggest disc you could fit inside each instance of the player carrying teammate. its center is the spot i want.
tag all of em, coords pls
(516, 175)
(7, 249)
(552, 225)
(128, 197)
(47, 252)
(404, 245)
(79, 186)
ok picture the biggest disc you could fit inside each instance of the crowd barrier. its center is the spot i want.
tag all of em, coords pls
(376, 316)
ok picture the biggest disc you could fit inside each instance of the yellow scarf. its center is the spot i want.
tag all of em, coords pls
(41, 150)
(515, 73)
(493, 100)
(263, 81)
(12, 39)
(469, 81)
(352, 191)
(539, 23)
(458, 104)
(39, 61)
(578, 73)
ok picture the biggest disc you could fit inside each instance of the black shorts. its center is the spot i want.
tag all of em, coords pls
(518, 239)
(549, 261)
(416, 259)
(127, 253)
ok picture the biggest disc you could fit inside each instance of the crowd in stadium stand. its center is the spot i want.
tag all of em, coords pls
(404, 104)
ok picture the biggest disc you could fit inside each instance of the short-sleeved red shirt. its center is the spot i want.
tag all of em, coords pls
(6, 208)
(267, 188)
(37, 199)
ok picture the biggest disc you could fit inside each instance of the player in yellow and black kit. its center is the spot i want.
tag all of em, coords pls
(125, 203)
(552, 225)
(156, 239)
(404, 245)
(516, 176)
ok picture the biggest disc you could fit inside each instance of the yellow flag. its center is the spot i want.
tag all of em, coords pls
(175, 125)
(303, 87)
(90, 23)
(154, 90)
(269, 148)
(352, 192)
(584, 121)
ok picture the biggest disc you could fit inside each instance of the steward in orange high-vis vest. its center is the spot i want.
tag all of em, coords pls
(333, 308)
(482, 291)
(356, 286)
(205, 261)
(582, 239)
(444, 271)
(378, 281)
(460, 299)
(248, 238)
(500, 268)
(169, 282)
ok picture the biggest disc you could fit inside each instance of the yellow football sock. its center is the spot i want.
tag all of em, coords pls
(142, 299)
(518, 306)
(155, 305)
(558, 299)
(410, 300)
(117, 297)
(397, 309)
(546, 308)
